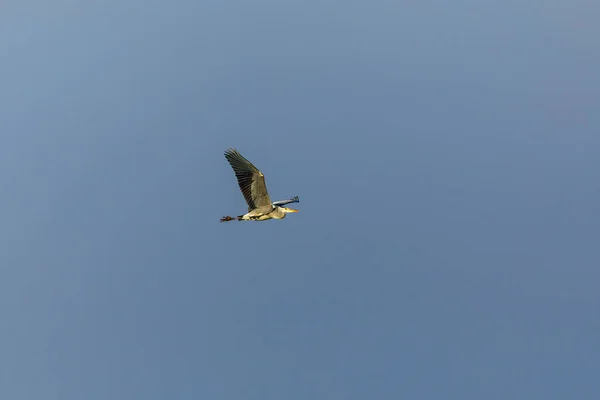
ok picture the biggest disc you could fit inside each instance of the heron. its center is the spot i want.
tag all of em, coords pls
(253, 187)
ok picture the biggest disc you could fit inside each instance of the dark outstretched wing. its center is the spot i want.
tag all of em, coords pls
(251, 180)
(294, 199)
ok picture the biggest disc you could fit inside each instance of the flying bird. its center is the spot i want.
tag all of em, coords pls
(253, 187)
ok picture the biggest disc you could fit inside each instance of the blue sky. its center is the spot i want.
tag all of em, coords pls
(446, 159)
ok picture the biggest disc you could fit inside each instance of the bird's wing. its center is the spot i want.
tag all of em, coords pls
(294, 199)
(251, 180)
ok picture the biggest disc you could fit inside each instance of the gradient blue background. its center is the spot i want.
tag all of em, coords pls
(447, 159)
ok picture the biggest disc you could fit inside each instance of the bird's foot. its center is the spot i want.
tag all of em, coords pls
(228, 218)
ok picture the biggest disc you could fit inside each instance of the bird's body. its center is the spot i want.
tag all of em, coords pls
(252, 184)
(262, 213)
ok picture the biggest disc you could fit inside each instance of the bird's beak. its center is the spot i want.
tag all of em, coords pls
(292, 210)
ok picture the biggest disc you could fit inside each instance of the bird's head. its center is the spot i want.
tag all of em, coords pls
(289, 210)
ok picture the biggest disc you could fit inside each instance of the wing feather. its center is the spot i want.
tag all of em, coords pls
(250, 179)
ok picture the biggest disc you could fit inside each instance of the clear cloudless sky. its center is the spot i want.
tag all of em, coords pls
(447, 159)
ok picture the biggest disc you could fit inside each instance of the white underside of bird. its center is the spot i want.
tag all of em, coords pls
(267, 212)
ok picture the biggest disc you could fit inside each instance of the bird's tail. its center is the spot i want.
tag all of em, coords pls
(228, 218)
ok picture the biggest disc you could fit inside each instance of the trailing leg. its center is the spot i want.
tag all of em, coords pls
(228, 218)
